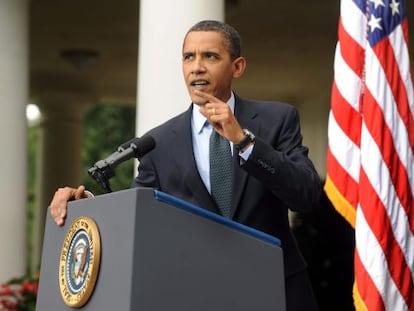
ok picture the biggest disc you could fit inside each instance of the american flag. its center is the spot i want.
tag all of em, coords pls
(370, 160)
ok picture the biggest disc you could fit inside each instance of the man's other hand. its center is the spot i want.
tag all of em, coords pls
(59, 204)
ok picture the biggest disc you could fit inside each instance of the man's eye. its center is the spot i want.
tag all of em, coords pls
(187, 57)
(211, 56)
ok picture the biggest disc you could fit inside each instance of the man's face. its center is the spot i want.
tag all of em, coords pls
(207, 65)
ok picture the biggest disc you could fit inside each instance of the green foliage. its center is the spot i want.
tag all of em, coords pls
(105, 128)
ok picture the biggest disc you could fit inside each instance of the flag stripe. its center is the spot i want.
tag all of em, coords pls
(374, 261)
(344, 149)
(404, 66)
(395, 79)
(392, 168)
(347, 118)
(351, 51)
(347, 185)
(376, 217)
(366, 297)
(389, 131)
(393, 96)
(353, 20)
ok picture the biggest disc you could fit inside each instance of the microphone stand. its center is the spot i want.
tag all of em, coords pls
(102, 174)
(103, 170)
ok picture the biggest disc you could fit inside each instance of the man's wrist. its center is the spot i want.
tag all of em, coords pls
(246, 142)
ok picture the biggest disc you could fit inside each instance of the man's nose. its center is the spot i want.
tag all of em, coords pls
(198, 65)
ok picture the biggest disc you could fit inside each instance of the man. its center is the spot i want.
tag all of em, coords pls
(270, 171)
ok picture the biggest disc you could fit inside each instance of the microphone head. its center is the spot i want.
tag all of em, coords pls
(128, 143)
(143, 145)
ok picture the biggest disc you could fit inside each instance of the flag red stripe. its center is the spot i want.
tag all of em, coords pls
(383, 138)
(344, 182)
(377, 218)
(366, 287)
(385, 54)
(380, 225)
(347, 118)
(351, 51)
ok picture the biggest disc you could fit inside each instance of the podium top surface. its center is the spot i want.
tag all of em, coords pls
(164, 197)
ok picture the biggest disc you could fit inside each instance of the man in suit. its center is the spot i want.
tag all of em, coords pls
(270, 171)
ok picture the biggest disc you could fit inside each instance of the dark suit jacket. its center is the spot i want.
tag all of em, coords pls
(277, 176)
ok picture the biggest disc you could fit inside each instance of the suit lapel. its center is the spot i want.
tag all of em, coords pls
(185, 162)
(246, 115)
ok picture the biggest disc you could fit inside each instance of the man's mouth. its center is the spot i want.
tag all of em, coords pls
(199, 84)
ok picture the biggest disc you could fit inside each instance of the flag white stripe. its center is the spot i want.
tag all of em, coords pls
(400, 51)
(352, 19)
(384, 96)
(347, 81)
(374, 262)
(343, 149)
(374, 167)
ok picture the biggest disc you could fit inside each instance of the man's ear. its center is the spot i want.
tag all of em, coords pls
(239, 65)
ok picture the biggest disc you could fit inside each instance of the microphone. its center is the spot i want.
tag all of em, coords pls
(134, 148)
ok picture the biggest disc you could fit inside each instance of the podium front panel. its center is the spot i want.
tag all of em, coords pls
(158, 256)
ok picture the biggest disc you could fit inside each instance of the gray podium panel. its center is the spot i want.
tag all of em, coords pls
(158, 254)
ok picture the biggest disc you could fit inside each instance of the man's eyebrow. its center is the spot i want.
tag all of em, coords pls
(209, 52)
(204, 53)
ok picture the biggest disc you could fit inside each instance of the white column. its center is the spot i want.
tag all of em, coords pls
(13, 99)
(162, 27)
(59, 150)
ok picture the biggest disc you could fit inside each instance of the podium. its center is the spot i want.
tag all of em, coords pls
(157, 253)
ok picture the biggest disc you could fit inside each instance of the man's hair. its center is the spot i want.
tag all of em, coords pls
(231, 36)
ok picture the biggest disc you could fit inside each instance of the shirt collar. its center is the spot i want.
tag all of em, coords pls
(199, 120)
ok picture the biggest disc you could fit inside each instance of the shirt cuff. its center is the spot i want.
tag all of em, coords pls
(244, 155)
(89, 194)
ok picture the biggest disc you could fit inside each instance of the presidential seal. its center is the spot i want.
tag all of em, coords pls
(79, 262)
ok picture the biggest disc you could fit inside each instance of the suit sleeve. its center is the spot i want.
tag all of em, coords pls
(281, 163)
(147, 175)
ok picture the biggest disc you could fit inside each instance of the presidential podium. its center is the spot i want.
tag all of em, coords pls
(144, 250)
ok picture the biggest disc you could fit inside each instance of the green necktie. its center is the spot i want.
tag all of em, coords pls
(221, 168)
